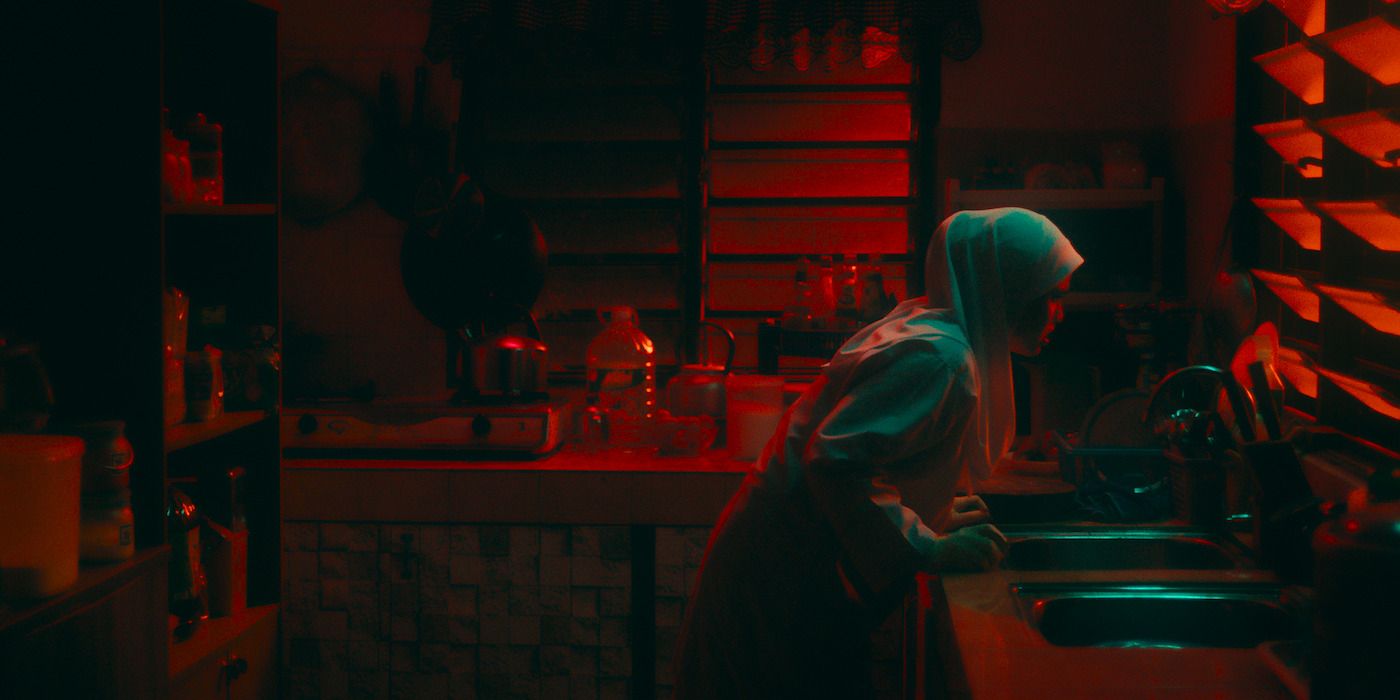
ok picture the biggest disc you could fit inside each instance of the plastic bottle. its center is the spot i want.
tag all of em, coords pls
(106, 533)
(206, 159)
(847, 294)
(621, 377)
(824, 296)
(798, 312)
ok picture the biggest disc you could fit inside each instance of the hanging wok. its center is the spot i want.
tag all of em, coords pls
(472, 260)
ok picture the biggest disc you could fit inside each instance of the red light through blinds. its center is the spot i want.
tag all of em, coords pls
(1296, 68)
(1367, 306)
(1294, 141)
(1370, 46)
(1369, 394)
(1292, 292)
(1298, 370)
(1371, 134)
(1296, 220)
(1308, 15)
(1368, 220)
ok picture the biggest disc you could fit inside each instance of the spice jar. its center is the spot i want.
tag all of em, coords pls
(204, 383)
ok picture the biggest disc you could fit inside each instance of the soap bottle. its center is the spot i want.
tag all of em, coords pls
(621, 378)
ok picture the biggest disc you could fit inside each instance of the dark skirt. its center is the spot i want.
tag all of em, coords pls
(769, 617)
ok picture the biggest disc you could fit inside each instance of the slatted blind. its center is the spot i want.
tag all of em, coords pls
(1319, 158)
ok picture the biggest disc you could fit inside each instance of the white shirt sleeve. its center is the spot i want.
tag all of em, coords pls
(902, 411)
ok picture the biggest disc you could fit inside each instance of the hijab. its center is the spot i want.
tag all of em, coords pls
(987, 266)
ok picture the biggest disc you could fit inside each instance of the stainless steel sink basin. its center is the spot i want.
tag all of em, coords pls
(1118, 548)
(1163, 616)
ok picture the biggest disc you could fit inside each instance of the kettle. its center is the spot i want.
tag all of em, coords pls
(25, 395)
(499, 365)
(698, 390)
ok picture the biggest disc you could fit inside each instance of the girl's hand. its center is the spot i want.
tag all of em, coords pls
(967, 510)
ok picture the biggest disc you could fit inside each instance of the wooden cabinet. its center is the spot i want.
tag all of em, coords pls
(228, 658)
(1118, 231)
(103, 638)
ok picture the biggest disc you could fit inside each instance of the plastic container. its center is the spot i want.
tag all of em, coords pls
(753, 408)
(204, 383)
(206, 159)
(621, 378)
(108, 457)
(40, 478)
(108, 529)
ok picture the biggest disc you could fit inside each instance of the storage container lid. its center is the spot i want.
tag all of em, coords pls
(18, 448)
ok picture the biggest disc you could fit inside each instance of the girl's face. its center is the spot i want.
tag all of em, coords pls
(1031, 329)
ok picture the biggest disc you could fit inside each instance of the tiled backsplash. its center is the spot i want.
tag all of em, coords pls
(484, 611)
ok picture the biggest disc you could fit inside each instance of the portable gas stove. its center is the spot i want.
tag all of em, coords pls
(427, 429)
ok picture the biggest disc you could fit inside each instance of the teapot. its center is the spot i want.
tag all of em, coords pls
(698, 390)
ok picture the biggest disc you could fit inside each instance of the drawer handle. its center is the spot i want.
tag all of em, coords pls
(233, 667)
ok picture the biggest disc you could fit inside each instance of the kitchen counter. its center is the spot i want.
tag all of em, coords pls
(1002, 656)
(567, 487)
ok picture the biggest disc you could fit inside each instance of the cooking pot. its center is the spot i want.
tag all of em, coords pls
(502, 365)
(698, 390)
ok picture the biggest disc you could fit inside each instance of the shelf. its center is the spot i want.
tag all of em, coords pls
(1368, 220)
(1369, 46)
(1055, 199)
(1296, 68)
(1373, 134)
(182, 435)
(1298, 144)
(210, 636)
(219, 209)
(1297, 221)
(94, 582)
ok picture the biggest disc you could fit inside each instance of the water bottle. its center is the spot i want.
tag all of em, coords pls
(621, 377)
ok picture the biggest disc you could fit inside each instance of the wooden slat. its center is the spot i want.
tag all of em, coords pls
(600, 173)
(810, 173)
(769, 286)
(569, 288)
(894, 71)
(808, 230)
(591, 230)
(811, 117)
(550, 117)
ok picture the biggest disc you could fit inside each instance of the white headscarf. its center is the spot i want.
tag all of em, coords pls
(987, 266)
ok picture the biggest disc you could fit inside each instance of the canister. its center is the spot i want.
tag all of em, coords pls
(40, 478)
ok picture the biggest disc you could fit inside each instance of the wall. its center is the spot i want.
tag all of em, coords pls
(348, 320)
(1052, 82)
(1200, 90)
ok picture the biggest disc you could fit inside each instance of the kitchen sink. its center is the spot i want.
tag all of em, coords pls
(1118, 548)
(1169, 615)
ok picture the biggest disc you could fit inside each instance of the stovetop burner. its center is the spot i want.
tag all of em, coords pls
(471, 398)
(442, 427)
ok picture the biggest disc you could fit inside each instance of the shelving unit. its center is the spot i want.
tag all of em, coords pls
(182, 435)
(220, 59)
(1119, 232)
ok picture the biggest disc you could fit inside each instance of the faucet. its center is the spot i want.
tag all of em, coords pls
(1187, 427)
(1288, 512)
